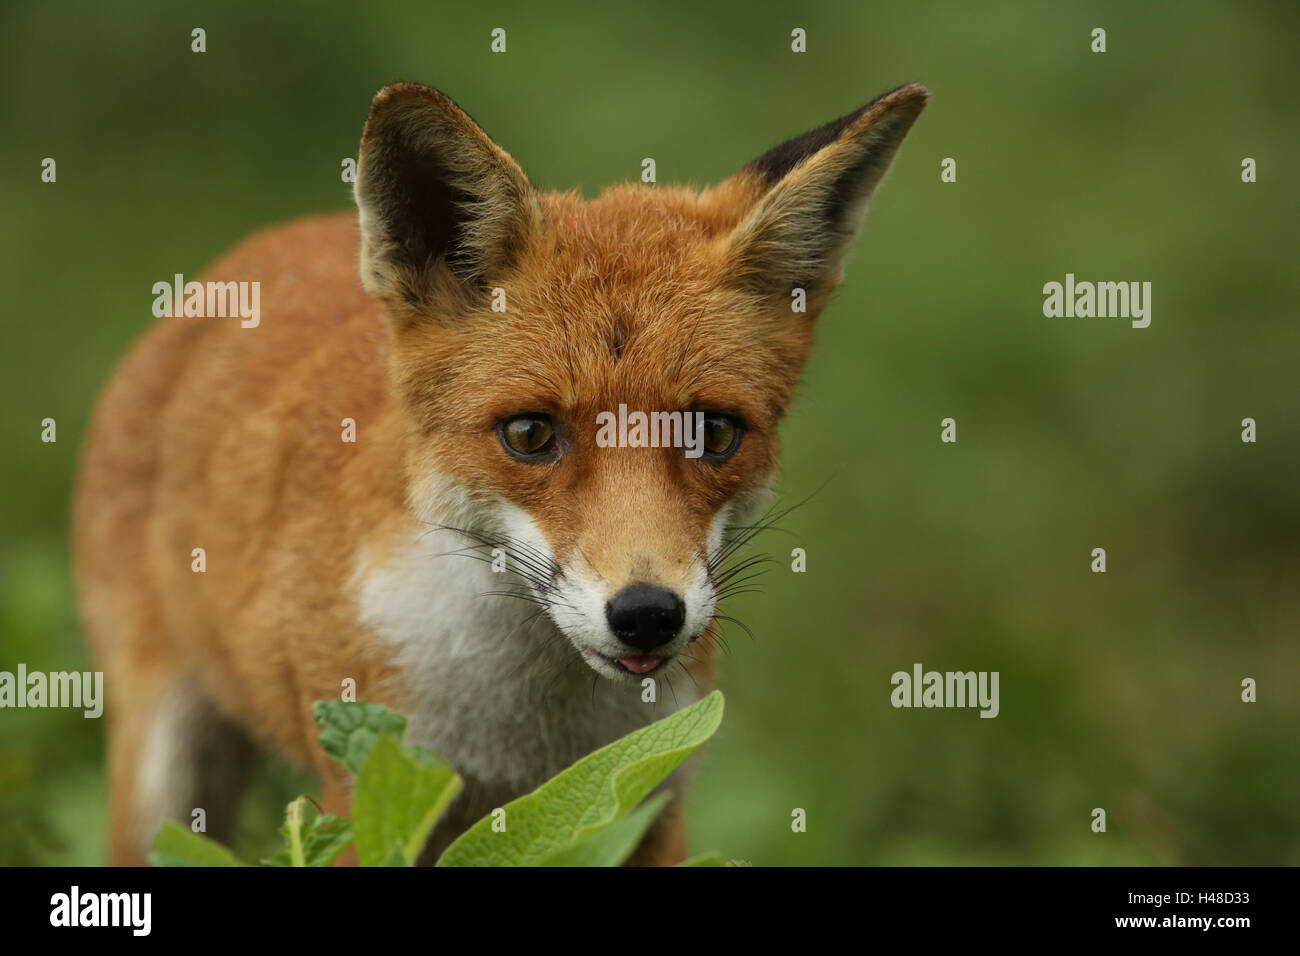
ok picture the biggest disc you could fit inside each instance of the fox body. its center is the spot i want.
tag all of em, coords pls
(240, 555)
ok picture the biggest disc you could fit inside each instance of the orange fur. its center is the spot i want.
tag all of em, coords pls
(215, 436)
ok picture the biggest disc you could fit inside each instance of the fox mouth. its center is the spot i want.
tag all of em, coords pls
(626, 669)
(640, 664)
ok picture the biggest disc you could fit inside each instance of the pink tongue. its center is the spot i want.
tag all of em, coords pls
(639, 665)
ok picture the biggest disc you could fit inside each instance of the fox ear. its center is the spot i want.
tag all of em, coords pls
(812, 196)
(442, 207)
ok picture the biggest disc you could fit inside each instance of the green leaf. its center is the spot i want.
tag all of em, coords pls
(593, 793)
(399, 796)
(348, 730)
(428, 757)
(613, 843)
(712, 859)
(311, 838)
(396, 857)
(177, 846)
(705, 859)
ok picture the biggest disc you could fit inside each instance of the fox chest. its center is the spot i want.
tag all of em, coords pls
(487, 682)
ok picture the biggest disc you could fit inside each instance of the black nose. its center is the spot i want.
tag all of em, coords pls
(645, 616)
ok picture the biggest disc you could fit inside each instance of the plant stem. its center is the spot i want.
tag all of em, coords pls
(295, 833)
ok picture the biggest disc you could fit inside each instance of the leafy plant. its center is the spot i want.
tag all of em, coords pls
(592, 814)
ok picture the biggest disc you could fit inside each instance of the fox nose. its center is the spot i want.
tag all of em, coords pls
(645, 616)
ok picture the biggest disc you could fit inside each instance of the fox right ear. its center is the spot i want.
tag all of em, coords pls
(443, 209)
(810, 195)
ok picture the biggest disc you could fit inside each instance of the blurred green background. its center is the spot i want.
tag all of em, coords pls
(1118, 690)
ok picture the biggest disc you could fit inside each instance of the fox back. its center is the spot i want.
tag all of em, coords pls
(433, 469)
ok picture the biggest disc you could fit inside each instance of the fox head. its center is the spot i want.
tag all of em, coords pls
(523, 320)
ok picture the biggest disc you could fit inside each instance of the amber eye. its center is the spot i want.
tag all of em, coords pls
(528, 436)
(721, 435)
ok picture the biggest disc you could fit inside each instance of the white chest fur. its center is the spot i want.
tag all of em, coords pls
(495, 688)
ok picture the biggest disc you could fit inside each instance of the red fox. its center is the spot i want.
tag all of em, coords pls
(267, 510)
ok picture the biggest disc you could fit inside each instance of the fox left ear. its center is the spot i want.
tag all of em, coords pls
(812, 196)
(443, 208)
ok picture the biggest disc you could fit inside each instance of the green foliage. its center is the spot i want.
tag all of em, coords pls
(591, 795)
(591, 814)
(177, 846)
(609, 845)
(349, 730)
(311, 838)
(400, 795)
(712, 859)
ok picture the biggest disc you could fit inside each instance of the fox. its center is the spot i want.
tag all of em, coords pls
(393, 482)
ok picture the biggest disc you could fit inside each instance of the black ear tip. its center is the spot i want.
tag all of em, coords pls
(903, 102)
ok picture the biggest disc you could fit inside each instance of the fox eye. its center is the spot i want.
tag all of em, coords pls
(531, 437)
(722, 435)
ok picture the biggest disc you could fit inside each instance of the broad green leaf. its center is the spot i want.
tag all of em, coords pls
(705, 859)
(428, 757)
(396, 857)
(613, 843)
(311, 838)
(399, 796)
(177, 846)
(597, 790)
(348, 730)
(713, 859)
